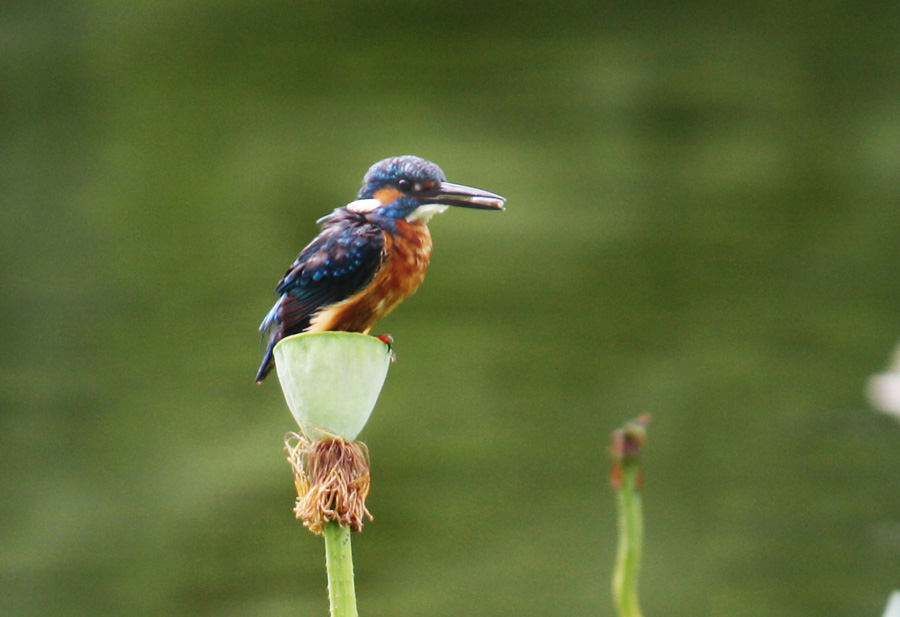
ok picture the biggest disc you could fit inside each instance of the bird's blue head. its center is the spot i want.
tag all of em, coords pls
(411, 188)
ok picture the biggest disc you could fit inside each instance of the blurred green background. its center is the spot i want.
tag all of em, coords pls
(702, 224)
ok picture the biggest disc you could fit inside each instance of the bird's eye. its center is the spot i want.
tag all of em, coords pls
(404, 185)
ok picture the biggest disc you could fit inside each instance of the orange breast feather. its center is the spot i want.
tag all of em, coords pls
(407, 253)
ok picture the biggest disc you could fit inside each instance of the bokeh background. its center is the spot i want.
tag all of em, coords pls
(702, 224)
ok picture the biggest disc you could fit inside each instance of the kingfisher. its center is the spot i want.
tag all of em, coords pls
(370, 255)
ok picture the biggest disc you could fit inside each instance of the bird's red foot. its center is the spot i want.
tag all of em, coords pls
(388, 340)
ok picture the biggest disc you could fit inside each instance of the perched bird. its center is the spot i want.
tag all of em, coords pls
(370, 255)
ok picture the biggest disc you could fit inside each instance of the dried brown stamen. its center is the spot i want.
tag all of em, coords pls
(332, 480)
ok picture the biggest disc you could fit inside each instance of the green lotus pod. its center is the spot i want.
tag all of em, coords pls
(331, 380)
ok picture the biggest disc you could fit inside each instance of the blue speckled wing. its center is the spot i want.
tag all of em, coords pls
(339, 262)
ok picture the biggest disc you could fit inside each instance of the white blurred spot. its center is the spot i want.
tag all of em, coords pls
(893, 606)
(883, 392)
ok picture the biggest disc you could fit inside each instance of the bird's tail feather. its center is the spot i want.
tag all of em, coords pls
(267, 327)
(267, 363)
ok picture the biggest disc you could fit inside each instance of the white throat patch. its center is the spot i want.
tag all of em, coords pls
(361, 206)
(424, 213)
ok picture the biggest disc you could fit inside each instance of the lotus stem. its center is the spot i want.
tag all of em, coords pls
(339, 565)
(626, 480)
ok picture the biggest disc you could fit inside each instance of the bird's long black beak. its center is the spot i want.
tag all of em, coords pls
(450, 194)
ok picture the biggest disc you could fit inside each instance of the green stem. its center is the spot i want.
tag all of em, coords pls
(339, 564)
(631, 538)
